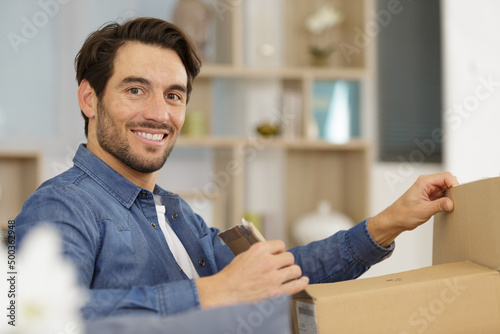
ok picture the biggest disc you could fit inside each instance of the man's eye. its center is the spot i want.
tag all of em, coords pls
(173, 96)
(135, 91)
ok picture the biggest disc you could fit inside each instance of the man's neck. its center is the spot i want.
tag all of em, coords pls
(143, 180)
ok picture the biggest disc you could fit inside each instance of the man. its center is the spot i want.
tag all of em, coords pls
(139, 248)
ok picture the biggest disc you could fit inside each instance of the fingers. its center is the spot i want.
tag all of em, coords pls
(435, 187)
(443, 204)
(263, 271)
(289, 273)
(451, 180)
(444, 180)
(271, 246)
(447, 204)
(272, 257)
(448, 179)
(294, 286)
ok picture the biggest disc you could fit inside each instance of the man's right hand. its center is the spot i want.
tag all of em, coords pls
(263, 271)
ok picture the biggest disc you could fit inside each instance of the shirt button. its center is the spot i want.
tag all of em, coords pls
(202, 263)
(153, 224)
(143, 194)
(174, 215)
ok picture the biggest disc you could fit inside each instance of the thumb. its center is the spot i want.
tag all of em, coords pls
(444, 204)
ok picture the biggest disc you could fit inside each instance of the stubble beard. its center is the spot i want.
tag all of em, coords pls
(108, 137)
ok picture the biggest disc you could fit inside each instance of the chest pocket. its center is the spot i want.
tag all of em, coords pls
(121, 219)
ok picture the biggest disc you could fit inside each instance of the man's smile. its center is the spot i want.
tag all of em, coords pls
(151, 136)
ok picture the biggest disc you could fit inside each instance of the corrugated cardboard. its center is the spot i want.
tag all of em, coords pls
(450, 298)
(472, 231)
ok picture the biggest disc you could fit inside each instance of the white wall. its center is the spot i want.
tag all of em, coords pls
(471, 81)
(388, 182)
(472, 105)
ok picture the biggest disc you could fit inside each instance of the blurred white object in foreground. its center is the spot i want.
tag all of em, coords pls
(47, 296)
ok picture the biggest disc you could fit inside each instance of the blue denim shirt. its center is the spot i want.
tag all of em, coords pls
(110, 232)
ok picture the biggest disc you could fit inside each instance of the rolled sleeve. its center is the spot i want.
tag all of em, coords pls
(175, 297)
(362, 246)
(342, 256)
(162, 299)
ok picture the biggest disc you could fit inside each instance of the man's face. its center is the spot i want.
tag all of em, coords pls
(142, 110)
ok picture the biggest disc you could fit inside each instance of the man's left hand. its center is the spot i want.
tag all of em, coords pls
(418, 204)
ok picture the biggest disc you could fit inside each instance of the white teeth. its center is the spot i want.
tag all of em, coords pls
(155, 137)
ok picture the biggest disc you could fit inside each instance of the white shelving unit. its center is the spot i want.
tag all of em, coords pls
(300, 171)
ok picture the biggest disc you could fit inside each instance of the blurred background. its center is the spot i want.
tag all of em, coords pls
(307, 117)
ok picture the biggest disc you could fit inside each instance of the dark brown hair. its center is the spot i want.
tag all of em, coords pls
(94, 61)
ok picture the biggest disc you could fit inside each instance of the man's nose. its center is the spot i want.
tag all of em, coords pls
(157, 109)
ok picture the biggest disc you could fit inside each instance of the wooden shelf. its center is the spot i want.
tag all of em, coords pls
(314, 170)
(20, 175)
(296, 173)
(293, 144)
(298, 73)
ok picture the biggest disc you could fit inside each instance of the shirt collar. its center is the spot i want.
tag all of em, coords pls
(113, 182)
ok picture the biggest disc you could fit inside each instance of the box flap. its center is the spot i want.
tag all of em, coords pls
(472, 231)
(303, 294)
(403, 279)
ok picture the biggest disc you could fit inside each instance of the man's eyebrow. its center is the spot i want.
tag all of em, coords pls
(181, 88)
(136, 80)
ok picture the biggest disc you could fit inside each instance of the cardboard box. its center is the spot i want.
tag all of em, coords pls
(472, 231)
(452, 296)
(449, 298)
(461, 297)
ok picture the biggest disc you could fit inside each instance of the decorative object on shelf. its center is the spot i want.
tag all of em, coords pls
(194, 124)
(291, 120)
(336, 110)
(266, 50)
(268, 129)
(319, 24)
(193, 16)
(262, 32)
(321, 102)
(320, 224)
(312, 129)
(338, 121)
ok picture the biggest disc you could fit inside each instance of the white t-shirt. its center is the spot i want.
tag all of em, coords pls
(175, 245)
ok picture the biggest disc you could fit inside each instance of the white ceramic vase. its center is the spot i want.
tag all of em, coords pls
(320, 224)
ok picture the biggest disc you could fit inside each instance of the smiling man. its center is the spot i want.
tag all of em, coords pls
(141, 249)
(137, 120)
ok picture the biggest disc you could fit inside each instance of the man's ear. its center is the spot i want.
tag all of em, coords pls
(87, 99)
